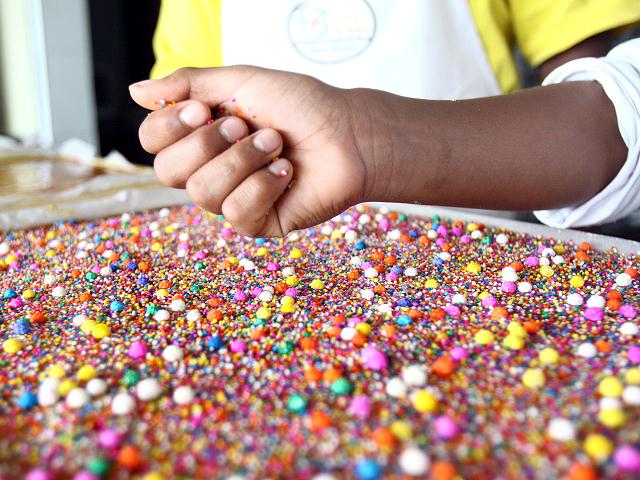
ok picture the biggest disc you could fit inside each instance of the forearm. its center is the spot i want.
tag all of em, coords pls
(542, 148)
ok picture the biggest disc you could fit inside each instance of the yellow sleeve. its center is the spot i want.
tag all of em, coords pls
(187, 35)
(545, 28)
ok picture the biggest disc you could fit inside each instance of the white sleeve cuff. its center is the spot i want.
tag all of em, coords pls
(619, 75)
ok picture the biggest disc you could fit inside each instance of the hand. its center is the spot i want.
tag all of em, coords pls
(225, 168)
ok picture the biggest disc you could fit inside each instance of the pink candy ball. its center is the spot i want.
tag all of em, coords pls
(373, 359)
(108, 438)
(360, 406)
(633, 354)
(237, 346)
(445, 427)
(627, 458)
(137, 350)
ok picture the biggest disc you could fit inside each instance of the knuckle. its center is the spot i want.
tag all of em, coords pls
(199, 192)
(168, 176)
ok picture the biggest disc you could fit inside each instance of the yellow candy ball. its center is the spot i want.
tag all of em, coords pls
(156, 247)
(483, 337)
(576, 281)
(336, 234)
(549, 356)
(153, 476)
(295, 253)
(513, 342)
(472, 227)
(28, 294)
(363, 328)
(56, 371)
(546, 271)
(401, 430)
(232, 260)
(483, 295)
(610, 387)
(287, 300)
(473, 267)
(516, 329)
(612, 417)
(317, 284)
(559, 249)
(66, 386)
(287, 308)
(291, 281)
(263, 313)
(424, 401)
(86, 373)
(87, 326)
(100, 330)
(632, 376)
(431, 283)
(12, 345)
(533, 378)
(262, 251)
(162, 293)
(598, 447)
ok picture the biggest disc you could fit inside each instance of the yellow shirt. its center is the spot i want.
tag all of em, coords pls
(189, 33)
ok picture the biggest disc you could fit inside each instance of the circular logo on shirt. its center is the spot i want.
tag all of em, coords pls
(331, 31)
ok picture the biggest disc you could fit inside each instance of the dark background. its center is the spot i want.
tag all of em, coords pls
(121, 34)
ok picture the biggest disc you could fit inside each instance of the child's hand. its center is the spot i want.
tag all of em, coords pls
(225, 168)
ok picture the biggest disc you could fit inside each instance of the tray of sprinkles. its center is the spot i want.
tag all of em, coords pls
(389, 342)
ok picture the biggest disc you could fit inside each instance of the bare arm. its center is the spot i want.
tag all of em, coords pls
(542, 148)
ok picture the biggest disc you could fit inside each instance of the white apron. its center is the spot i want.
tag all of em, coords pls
(416, 48)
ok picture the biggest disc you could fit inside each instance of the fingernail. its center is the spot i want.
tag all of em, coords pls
(232, 129)
(280, 168)
(267, 140)
(193, 115)
(143, 83)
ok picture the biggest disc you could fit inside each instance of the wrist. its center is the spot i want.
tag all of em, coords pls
(397, 142)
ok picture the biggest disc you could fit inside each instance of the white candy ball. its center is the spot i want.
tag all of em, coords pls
(58, 292)
(509, 274)
(459, 299)
(265, 296)
(610, 403)
(77, 398)
(561, 429)
(367, 293)
(148, 389)
(177, 305)
(161, 315)
(348, 333)
(623, 280)
(193, 315)
(415, 375)
(414, 462)
(597, 301)
(122, 404)
(410, 272)
(183, 395)
(371, 272)
(587, 350)
(629, 328)
(96, 386)
(631, 395)
(575, 299)
(172, 353)
(524, 287)
(502, 239)
(396, 388)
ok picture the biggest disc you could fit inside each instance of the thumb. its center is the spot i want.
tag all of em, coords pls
(209, 85)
